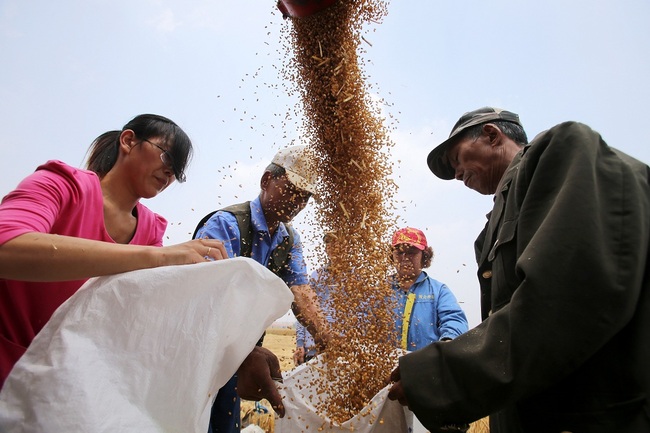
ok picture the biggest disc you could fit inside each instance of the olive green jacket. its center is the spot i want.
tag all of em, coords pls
(563, 269)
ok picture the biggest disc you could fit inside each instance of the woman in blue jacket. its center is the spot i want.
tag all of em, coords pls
(427, 311)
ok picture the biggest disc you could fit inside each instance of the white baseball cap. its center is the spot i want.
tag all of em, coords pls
(298, 164)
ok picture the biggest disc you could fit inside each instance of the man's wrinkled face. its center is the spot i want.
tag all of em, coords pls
(477, 163)
(285, 199)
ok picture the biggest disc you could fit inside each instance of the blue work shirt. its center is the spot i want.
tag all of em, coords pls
(223, 226)
(436, 313)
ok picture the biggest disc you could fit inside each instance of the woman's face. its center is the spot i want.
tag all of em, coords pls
(407, 260)
(150, 167)
(164, 158)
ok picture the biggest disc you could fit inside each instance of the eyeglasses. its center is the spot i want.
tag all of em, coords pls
(166, 158)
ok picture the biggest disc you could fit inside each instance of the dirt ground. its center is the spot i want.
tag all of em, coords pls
(282, 342)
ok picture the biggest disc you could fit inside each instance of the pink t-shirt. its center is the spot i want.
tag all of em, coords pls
(57, 199)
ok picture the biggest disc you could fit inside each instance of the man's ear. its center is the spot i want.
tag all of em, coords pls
(493, 133)
(264, 181)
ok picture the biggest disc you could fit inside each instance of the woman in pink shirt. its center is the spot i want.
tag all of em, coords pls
(63, 225)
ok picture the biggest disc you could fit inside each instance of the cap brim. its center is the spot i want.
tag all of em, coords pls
(300, 182)
(413, 244)
(438, 161)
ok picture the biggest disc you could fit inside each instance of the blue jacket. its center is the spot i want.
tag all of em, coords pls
(436, 313)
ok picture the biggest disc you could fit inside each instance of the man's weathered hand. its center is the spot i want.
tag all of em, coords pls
(299, 356)
(396, 392)
(255, 378)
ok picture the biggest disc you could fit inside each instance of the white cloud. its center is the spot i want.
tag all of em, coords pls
(165, 21)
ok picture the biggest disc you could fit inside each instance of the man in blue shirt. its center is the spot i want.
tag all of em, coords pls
(285, 188)
(427, 311)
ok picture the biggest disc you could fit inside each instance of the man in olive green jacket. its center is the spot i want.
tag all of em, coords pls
(563, 266)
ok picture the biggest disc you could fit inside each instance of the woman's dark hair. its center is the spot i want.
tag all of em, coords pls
(104, 149)
(427, 256)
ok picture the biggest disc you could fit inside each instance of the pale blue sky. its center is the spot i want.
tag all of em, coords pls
(74, 69)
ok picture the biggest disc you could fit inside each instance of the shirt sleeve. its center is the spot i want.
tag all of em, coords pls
(36, 203)
(223, 226)
(300, 335)
(452, 321)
